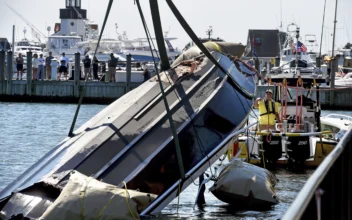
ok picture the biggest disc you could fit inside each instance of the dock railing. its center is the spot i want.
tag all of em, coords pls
(327, 193)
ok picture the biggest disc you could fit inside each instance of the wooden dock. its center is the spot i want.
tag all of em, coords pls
(98, 92)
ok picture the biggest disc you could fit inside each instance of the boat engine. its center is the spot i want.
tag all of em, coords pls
(272, 152)
(298, 150)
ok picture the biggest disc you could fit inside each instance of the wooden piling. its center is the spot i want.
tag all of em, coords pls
(29, 73)
(2, 72)
(128, 73)
(77, 74)
(9, 72)
(334, 69)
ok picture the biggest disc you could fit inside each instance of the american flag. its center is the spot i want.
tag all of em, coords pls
(301, 47)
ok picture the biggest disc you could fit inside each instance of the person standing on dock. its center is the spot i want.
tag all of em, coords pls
(110, 77)
(63, 66)
(86, 63)
(41, 67)
(35, 64)
(19, 66)
(146, 74)
(95, 68)
(268, 110)
(48, 65)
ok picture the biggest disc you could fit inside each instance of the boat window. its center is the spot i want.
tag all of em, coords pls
(334, 130)
(340, 134)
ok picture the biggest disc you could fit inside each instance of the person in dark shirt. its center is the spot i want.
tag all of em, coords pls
(95, 68)
(146, 74)
(86, 63)
(110, 76)
(19, 65)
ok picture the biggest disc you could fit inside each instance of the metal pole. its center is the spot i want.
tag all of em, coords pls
(333, 37)
(9, 72)
(333, 63)
(13, 38)
(165, 65)
(128, 73)
(77, 73)
(322, 31)
(334, 68)
(29, 73)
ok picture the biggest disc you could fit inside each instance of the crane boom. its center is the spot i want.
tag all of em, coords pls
(28, 23)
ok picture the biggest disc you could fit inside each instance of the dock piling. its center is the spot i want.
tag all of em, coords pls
(334, 69)
(29, 73)
(77, 74)
(2, 71)
(128, 73)
(9, 72)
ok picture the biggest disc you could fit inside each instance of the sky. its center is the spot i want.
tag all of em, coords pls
(230, 19)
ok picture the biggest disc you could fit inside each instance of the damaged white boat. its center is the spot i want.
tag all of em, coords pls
(245, 186)
(131, 141)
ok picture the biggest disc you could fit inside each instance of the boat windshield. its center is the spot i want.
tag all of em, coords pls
(64, 43)
(340, 134)
(307, 95)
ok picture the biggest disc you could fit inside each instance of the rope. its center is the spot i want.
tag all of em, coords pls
(70, 134)
(171, 122)
(103, 209)
(128, 204)
(195, 39)
(269, 81)
(83, 193)
(179, 195)
(299, 115)
(261, 146)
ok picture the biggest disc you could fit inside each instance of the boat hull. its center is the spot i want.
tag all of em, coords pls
(131, 141)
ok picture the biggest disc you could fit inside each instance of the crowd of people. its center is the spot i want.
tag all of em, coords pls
(61, 67)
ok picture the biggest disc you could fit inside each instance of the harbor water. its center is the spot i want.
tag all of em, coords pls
(29, 130)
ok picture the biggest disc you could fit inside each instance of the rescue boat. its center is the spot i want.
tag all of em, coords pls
(302, 138)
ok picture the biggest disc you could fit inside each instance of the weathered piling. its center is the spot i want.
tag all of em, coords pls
(318, 61)
(2, 72)
(9, 71)
(29, 73)
(128, 73)
(77, 73)
(334, 69)
(277, 61)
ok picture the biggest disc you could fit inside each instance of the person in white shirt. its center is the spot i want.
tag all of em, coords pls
(41, 67)
(63, 66)
(35, 63)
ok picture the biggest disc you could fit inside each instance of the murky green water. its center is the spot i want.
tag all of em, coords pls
(29, 130)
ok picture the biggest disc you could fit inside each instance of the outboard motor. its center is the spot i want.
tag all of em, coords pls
(272, 152)
(298, 150)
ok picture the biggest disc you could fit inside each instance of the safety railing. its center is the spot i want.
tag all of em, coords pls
(327, 193)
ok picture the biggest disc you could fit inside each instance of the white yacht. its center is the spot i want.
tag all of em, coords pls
(295, 58)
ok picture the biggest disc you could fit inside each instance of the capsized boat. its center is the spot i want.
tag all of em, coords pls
(245, 186)
(131, 141)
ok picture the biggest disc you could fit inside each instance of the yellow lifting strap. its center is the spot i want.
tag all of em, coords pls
(314, 82)
(284, 81)
(300, 81)
(269, 80)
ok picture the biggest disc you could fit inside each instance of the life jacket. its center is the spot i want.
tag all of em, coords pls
(266, 105)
